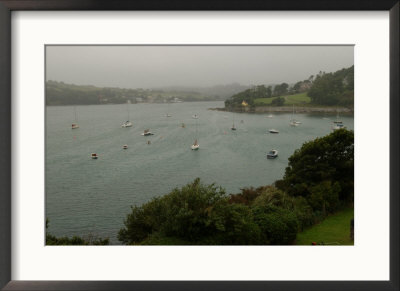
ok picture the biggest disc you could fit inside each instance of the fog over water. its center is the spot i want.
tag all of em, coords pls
(162, 66)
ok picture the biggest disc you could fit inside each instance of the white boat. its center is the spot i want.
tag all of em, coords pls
(294, 122)
(94, 156)
(273, 130)
(74, 124)
(195, 146)
(269, 113)
(127, 123)
(147, 132)
(272, 154)
(195, 116)
(125, 146)
(337, 124)
(168, 115)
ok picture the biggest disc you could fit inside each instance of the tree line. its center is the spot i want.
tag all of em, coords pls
(60, 93)
(324, 89)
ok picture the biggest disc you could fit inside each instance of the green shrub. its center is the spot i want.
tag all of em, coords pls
(278, 225)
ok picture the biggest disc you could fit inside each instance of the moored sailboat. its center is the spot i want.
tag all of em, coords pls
(75, 123)
(147, 132)
(195, 145)
(294, 122)
(127, 123)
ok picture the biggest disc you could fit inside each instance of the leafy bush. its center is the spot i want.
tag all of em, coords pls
(278, 101)
(279, 226)
(247, 195)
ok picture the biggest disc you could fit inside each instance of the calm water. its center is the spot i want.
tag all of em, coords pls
(93, 196)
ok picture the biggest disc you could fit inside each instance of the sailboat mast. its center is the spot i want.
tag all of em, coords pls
(127, 108)
(292, 120)
(74, 113)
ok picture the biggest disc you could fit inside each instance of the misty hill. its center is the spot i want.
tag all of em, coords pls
(60, 93)
(220, 92)
(328, 89)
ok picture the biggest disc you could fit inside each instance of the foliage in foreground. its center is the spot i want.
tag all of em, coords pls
(203, 214)
(322, 172)
(75, 240)
(317, 182)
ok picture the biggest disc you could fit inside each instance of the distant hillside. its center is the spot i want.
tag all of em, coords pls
(327, 89)
(59, 93)
(219, 92)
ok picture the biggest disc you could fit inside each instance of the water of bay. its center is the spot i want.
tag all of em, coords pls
(85, 196)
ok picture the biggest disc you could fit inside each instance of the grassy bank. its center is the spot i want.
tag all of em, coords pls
(301, 98)
(334, 230)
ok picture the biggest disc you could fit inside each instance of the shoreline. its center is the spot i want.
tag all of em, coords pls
(285, 109)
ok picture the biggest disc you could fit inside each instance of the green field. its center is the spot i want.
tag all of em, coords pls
(297, 99)
(301, 98)
(334, 230)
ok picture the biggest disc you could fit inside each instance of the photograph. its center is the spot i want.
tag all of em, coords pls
(183, 145)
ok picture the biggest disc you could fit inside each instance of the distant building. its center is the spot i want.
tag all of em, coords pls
(244, 103)
(139, 99)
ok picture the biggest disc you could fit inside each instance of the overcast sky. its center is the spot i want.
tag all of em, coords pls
(161, 66)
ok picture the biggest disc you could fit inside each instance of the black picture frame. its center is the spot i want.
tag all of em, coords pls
(6, 7)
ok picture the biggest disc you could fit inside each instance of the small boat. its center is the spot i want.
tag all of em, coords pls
(270, 116)
(337, 125)
(195, 145)
(75, 124)
(125, 146)
(167, 114)
(272, 154)
(183, 125)
(126, 124)
(148, 142)
(147, 132)
(94, 156)
(273, 130)
(195, 116)
(294, 122)
(233, 127)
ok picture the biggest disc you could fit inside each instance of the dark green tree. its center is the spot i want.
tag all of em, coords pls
(278, 101)
(329, 158)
